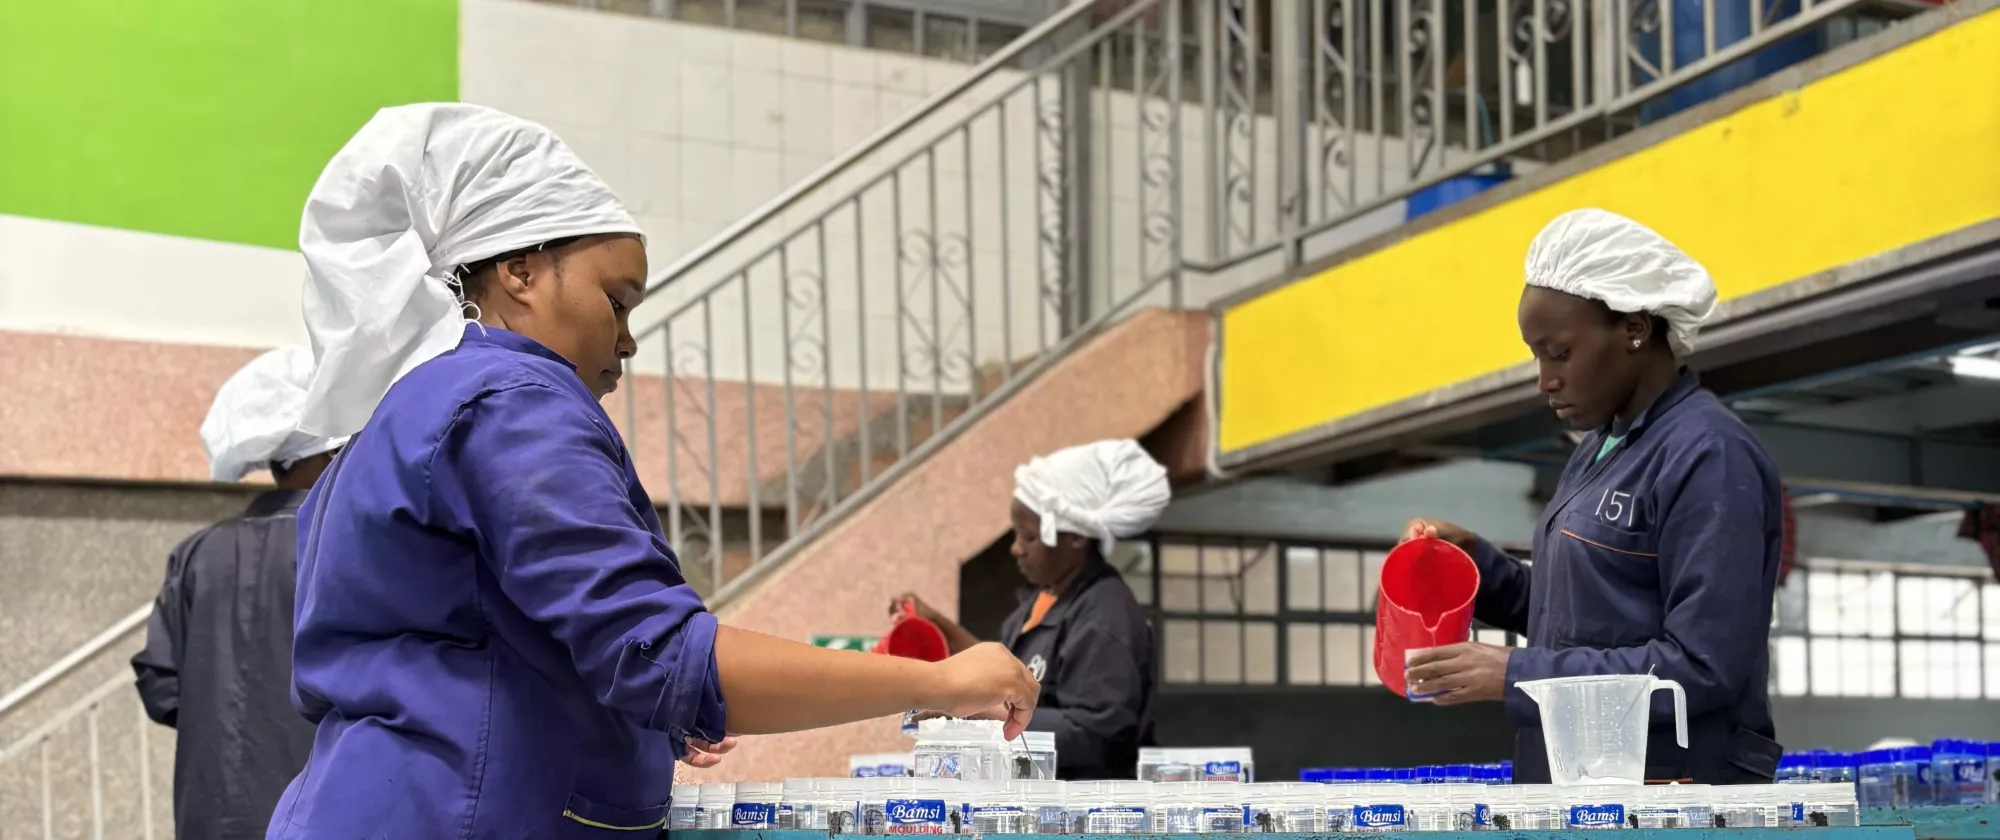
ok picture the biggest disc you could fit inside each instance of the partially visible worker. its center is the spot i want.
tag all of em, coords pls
(1659, 551)
(217, 665)
(1077, 626)
(493, 635)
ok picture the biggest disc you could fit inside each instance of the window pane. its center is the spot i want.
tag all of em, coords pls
(1965, 670)
(1823, 604)
(1881, 659)
(892, 29)
(761, 16)
(1826, 667)
(1788, 664)
(1993, 677)
(1371, 577)
(1302, 654)
(947, 37)
(1990, 611)
(1221, 584)
(1183, 656)
(1957, 603)
(1878, 600)
(710, 12)
(1302, 578)
(1134, 560)
(1222, 652)
(1789, 612)
(1180, 581)
(1916, 664)
(1260, 648)
(1938, 606)
(993, 36)
(1343, 581)
(1260, 581)
(1343, 654)
(1364, 656)
(823, 20)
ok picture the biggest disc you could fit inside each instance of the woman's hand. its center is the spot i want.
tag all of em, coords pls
(1438, 529)
(923, 610)
(986, 681)
(704, 754)
(1463, 673)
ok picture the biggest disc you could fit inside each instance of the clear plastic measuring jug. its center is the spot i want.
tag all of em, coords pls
(1595, 727)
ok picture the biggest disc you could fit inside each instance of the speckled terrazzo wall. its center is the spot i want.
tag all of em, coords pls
(75, 558)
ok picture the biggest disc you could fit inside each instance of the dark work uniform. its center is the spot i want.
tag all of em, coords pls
(218, 668)
(1093, 653)
(1660, 555)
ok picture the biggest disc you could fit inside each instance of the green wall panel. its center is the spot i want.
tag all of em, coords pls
(202, 118)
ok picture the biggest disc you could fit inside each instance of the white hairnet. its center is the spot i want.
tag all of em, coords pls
(1606, 257)
(1107, 490)
(419, 191)
(254, 421)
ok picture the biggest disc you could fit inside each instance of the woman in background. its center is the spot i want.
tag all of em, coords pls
(1078, 628)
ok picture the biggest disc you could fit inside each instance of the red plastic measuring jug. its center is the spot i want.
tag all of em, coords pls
(913, 638)
(1425, 601)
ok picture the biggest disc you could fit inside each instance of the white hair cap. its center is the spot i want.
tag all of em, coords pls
(254, 421)
(1606, 257)
(1107, 490)
(418, 192)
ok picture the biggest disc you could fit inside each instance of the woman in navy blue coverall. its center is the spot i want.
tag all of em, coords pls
(1659, 551)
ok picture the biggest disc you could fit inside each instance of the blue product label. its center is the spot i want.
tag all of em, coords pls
(1923, 774)
(1798, 813)
(1596, 816)
(752, 815)
(1482, 815)
(913, 817)
(864, 772)
(1379, 816)
(913, 811)
(892, 770)
(1222, 769)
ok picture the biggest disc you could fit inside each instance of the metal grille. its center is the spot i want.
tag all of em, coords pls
(1118, 155)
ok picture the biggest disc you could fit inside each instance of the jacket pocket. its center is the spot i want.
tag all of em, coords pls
(587, 820)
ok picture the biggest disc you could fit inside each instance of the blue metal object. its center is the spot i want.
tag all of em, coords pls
(1453, 190)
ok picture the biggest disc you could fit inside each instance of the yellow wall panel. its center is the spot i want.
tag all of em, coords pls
(1890, 152)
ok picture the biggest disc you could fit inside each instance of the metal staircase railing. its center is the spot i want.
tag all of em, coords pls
(66, 789)
(1123, 153)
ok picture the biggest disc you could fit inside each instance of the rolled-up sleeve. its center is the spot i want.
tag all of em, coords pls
(544, 487)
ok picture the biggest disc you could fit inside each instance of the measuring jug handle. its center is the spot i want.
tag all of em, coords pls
(1680, 709)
